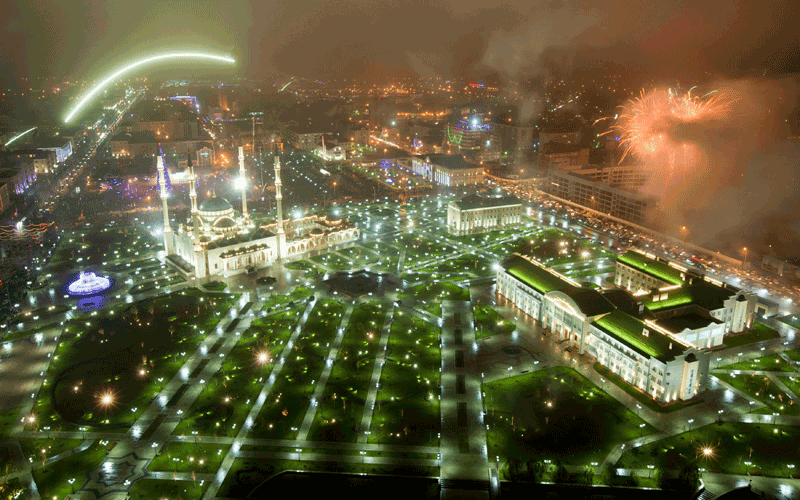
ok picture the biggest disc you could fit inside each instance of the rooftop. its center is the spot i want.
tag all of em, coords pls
(691, 321)
(590, 301)
(485, 200)
(537, 277)
(700, 292)
(629, 331)
(452, 162)
(652, 267)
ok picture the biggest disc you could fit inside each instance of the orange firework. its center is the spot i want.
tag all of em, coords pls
(645, 123)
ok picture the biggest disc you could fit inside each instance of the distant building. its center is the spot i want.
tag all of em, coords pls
(483, 212)
(131, 144)
(42, 161)
(563, 156)
(447, 170)
(305, 138)
(624, 204)
(516, 141)
(643, 353)
(563, 135)
(789, 267)
(18, 178)
(473, 136)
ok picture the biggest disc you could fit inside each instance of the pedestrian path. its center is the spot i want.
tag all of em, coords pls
(305, 427)
(380, 360)
(233, 452)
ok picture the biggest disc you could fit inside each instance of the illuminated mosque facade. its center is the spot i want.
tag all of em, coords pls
(219, 241)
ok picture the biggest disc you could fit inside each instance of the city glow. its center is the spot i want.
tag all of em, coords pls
(136, 64)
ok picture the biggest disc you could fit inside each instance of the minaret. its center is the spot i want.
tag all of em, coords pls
(243, 180)
(193, 198)
(169, 241)
(278, 202)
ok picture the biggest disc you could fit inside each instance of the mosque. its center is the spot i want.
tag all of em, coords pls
(219, 241)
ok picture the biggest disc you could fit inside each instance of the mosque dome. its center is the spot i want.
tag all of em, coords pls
(215, 204)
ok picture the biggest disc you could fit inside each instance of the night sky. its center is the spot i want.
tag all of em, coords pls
(379, 39)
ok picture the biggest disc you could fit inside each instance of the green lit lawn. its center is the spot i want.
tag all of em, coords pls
(285, 408)
(489, 322)
(189, 457)
(773, 363)
(335, 261)
(341, 406)
(436, 291)
(763, 389)
(360, 254)
(149, 489)
(407, 407)
(53, 479)
(557, 414)
(773, 448)
(226, 399)
(793, 383)
(168, 327)
(246, 474)
(757, 333)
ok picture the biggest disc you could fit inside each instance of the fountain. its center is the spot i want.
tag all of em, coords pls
(89, 283)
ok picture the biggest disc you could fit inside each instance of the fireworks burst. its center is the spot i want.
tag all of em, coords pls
(646, 122)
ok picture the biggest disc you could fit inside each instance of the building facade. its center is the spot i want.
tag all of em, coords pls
(447, 170)
(483, 212)
(621, 203)
(645, 355)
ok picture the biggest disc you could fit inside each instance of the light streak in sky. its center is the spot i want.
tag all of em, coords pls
(142, 62)
(19, 135)
(290, 82)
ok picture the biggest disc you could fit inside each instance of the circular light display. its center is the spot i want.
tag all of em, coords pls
(89, 284)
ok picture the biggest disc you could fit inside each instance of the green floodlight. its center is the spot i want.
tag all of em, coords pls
(142, 62)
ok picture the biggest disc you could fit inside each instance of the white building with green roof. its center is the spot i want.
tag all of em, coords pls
(637, 272)
(645, 355)
(481, 212)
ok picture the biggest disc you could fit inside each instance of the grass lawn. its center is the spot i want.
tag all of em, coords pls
(771, 363)
(33, 448)
(189, 457)
(757, 333)
(763, 389)
(360, 254)
(769, 449)
(436, 291)
(407, 406)
(53, 479)
(793, 383)
(246, 474)
(216, 286)
(489, 322)
(149, 489)
(341, 405)
(639, 395)
(130, 353)
(335, 261)
(285, 408)
(793, 354)
(556, 414)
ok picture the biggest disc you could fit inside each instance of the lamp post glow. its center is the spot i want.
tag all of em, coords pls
(143, 62)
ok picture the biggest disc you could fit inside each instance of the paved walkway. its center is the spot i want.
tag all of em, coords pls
(463, 437)
(305, 427)
(233, 452)
(380, 360)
